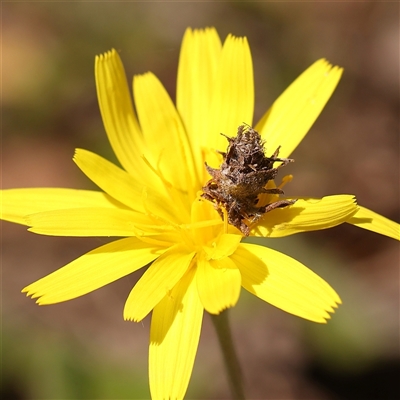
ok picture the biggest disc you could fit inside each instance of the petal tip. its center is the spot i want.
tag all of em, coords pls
(130, 318)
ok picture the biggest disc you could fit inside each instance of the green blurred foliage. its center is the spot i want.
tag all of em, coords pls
(56, 366)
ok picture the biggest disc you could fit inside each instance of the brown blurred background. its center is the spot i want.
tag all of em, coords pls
(83, 349)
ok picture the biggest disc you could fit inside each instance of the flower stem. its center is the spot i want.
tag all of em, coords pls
(221, 324)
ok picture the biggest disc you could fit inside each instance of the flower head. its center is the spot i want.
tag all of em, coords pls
(155, 203)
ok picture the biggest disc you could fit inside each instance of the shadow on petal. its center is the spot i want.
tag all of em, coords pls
(276, 220)
(250, 266)
(168, 308)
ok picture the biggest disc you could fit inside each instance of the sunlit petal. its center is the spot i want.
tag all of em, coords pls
(117, 111)
(233, 97)
(285, 283)
(110, 178)
(203, 212)
(168, 146)
(157, 282)
(16, 204)
(218, 283)
(174, 337)
(90, 221)
(93, 270)
(374, 222)
(123, 186)
(198, 63)
(223, 246)
(306, 215)
(291, 116)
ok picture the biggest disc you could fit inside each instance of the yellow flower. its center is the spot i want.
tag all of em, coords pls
(197, 262)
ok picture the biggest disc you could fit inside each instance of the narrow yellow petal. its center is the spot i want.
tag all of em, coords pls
(16, 204)
(285, 283)
(110, 178)
(306, 215)
(218, 283)
(90, 221)
(198, 63)
(123, 186)
(374, 222)
(172, 209)
(174, 337)
(233, 98)
(117, 111)
(291, 116)
(157, 282)
(169, 150)
(93, 270)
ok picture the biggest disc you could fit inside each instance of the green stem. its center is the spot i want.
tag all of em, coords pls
(221, 324)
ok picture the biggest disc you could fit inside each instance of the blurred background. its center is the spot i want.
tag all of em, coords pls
(82, 349)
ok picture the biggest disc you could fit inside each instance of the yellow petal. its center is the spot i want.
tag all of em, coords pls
(198, 62)
(90, 221)
(233, 98)
(306, 215)
(174, 337)
(122, 186)
(93, 270)
(223, 246)
(203, 211)
(172, 209)
(157, 282)
(16, 204)
(291, 116)
(167, 142)
(285, 283)
(117, 112)
(374, 222)
(112, 179)
(218, 283)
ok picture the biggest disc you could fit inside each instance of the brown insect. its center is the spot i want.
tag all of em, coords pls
(242, 177)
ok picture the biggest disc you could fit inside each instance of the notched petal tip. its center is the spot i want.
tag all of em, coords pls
(106, 55)
(28, 291)
(200, 31)
(294, 112)
(34, 296)
(117, 111)
(323, 316)
(218, 311)
(231, 104)
(130, 318)
(285, 283)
